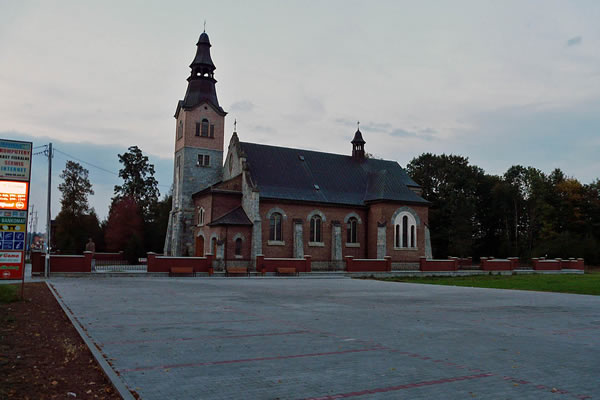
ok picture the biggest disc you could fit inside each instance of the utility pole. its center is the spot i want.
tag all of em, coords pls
(48, 216)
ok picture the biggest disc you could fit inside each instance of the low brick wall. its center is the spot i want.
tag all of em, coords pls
(271, 264)
(499, 264)
(158, 263)
(438, 265)
(61, 263)
(464, 261)
(546, 265)
(368, 265)
(573, 263)
(109, 256)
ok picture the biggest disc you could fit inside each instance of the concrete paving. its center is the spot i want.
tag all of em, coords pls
(242, 338)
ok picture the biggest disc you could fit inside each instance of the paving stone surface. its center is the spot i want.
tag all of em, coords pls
(239, 338)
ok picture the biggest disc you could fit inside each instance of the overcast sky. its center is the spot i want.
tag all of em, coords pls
(500, 82)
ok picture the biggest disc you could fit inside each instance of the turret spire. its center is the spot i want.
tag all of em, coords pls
(358, 144)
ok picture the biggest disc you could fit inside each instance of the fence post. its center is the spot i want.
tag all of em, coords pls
(151, 257)
(348, 263)
(388, 263)
(308, 267)
(87, 261)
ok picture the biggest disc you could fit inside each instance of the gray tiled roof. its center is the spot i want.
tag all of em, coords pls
(237, 216)
(304, 175)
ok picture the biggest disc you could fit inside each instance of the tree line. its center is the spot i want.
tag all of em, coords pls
(523, 213)
(137, 218)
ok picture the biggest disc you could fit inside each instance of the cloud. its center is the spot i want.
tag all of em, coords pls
(242, 106)
(574, 41)
(425, 134)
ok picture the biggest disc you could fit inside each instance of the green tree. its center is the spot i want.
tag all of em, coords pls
(75, 222)
(75, 189)
(124, 229)
(138, 181)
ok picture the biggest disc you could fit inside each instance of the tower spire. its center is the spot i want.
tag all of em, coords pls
(358, 144)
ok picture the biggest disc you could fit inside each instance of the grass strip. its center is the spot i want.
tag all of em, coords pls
(588, 283)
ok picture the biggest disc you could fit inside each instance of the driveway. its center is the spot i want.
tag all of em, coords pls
(290, 338)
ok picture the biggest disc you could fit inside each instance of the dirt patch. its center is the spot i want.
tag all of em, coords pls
(41, 354)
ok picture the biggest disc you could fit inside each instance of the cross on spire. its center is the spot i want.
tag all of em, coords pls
(204, 25)
(358, 125)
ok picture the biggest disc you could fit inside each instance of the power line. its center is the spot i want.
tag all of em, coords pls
(95, 166)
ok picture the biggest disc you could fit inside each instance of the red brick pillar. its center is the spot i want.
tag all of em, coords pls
(260, 264)
(308, 267)
(534, 262)
(151, 256)
(422, 262)
(388, 263)
(86, 264)
(348, 263)
(455, 264)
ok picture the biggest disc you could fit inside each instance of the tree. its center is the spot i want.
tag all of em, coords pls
(75, 189)
(138, 181)
(124, 228)
(75, 222)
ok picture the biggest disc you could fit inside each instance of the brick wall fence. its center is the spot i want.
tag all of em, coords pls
(61, 263)
(368, 265)
(499, 264)
(271, 264)
(438, 265)
(157, 263)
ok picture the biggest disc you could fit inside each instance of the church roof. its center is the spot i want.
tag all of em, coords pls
(304, 175)
(237, 216)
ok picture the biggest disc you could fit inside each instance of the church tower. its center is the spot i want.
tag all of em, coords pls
(199, 138)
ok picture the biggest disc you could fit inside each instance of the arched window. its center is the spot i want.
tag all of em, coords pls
(238, 246)
(315, 229)
(275, 227)
(351, 230)
(405, 231)
(201, 216)
(204, 131)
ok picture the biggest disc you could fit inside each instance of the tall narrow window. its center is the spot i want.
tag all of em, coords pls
(212, 130)
(238, 246)
(412, 237)
(351, 228)
(201, 216)
(405, 231)
(204, 131)
(275, 227)
(180, 130)
(315, 229)
(397, 235)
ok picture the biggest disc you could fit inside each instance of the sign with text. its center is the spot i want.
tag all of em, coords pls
(12, 264)
(15, 160)
(13, 195)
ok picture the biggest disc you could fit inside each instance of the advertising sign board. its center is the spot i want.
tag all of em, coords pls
(13, 195)
(11, 264)
(15, 160)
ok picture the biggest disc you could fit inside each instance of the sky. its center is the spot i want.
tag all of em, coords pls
(502, 83)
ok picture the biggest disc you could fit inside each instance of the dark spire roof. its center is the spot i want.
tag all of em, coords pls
(358, 138)
(201, 86)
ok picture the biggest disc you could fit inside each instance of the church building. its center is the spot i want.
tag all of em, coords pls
(283, 202)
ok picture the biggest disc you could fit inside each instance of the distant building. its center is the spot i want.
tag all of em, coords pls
(283, 202)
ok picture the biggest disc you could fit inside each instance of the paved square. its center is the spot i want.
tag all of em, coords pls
(240, 338)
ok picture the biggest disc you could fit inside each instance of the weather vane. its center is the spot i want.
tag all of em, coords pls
(358, 125)
(235, 125)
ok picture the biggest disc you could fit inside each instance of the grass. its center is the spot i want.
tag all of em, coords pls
(9, 293)
(588, 283)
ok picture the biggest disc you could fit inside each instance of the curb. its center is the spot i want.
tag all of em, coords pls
(115, 379)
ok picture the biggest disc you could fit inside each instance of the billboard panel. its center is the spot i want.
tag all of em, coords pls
(13, 195)
(12, 264)
(15, 160)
